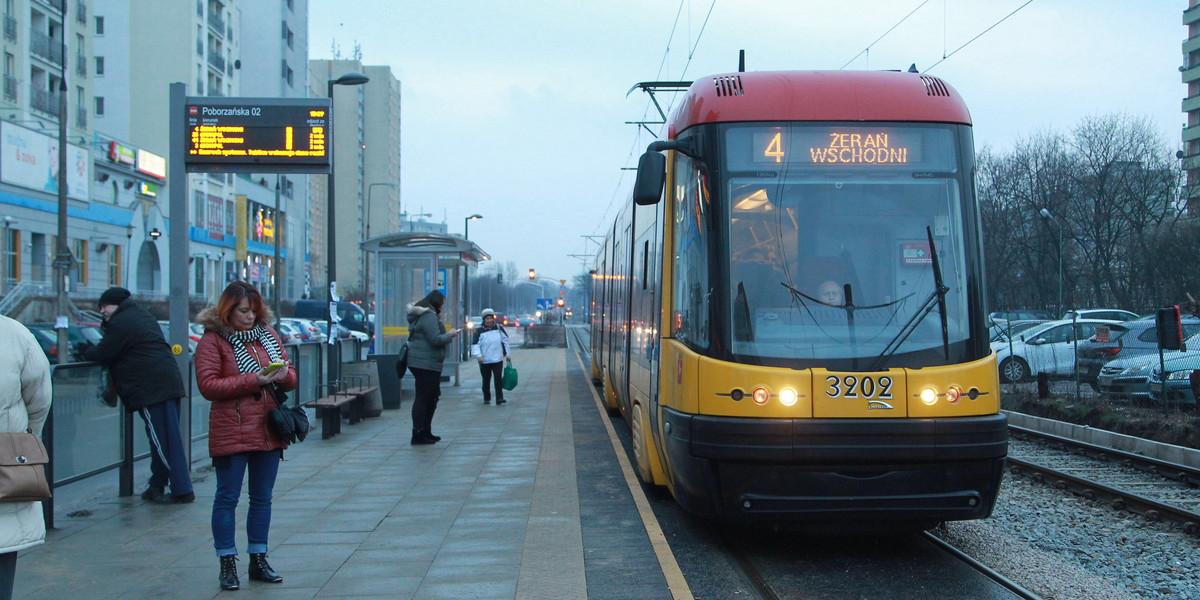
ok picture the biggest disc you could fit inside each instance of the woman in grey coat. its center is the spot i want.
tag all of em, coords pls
(427, 341)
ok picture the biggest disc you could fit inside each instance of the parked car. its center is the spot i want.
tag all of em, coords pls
(1005, 329)
(1021, 315)
(1178, 386)
(1140, 337)
(352, 315)
(1125, 378)
(1108, 314)
(78, 336)
(1048, 348)
(289, 333)
(309, 332)
(343, 331)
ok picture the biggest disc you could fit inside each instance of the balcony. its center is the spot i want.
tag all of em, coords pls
(44, 101)
(10, 28)
(216, 61)
(81, 118)
(46, 47)
(216, 23)
(81, 12)
(81, 65)
(10, 88)
(59, 5)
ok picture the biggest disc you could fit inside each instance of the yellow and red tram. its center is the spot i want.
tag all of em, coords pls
(790, 313)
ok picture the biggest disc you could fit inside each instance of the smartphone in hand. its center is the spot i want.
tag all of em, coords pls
(271, 368)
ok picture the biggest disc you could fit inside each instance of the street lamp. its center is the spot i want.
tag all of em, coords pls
(1049, 217)
(467, 270)
(331, 370)
(367, 236)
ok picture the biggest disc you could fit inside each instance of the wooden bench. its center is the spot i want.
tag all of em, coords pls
(329, 410)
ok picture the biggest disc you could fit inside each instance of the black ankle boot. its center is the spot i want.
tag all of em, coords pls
(261, 571)
(229, 578)
(421, 437)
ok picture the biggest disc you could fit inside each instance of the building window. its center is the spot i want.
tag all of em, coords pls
(99, 65)
(81, 261)
(199, 209)
(114, 265)
(99, 25)
(12, 257)
(99, 106)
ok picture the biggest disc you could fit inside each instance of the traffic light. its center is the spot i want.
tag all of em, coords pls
(531, 274)
(560, 302)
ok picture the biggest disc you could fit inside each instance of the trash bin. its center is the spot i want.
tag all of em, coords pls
(389, 383)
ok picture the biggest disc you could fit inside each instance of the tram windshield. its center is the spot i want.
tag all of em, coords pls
(830, 241)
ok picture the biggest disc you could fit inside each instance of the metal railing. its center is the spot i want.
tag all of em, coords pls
(46, 47)
(20, 292)
(10, 28)
(87, 438)
(215, 60)
(10, 87)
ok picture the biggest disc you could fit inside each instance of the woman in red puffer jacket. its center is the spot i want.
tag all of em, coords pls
(231, 362)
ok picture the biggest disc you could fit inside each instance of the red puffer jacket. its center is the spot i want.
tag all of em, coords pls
(238, 413)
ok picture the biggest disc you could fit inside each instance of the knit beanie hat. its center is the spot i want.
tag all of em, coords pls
(114, 295)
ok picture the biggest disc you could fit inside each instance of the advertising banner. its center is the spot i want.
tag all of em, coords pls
(30, 160)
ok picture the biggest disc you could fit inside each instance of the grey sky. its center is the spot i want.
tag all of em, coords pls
(516, 109)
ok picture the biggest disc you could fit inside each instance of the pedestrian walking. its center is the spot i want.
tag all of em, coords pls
(147, 381)
(427, 341)
(24, 405)
(490, 348)
(241, 368)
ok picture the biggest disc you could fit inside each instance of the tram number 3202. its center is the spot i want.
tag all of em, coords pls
(852, 386)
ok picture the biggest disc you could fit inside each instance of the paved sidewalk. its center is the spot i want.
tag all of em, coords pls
(493, 511)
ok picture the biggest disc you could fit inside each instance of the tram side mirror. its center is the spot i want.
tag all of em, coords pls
(651, 176)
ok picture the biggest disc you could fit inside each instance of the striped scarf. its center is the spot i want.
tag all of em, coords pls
(240, 340)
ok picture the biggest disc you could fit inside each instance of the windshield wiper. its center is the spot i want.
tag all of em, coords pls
(936, 298)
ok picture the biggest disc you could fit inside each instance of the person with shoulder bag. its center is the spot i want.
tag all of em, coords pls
(25, 397)
(491, 350)
(240, 363)
(427, 341)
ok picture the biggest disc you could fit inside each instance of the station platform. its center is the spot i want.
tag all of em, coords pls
(524, 500)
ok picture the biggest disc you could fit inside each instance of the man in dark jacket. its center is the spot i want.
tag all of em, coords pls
(147, 381)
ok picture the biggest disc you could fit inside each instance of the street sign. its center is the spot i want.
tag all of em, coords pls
(545, 303)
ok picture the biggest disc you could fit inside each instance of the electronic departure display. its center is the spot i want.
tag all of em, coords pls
(887, 147)
(257, 135)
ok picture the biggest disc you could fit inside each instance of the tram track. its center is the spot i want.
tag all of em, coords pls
(1152, 488)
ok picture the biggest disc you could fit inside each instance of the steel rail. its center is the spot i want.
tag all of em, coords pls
(1119, 499)
(987, 571)
(1183, 473)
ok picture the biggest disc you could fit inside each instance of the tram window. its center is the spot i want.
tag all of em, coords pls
(691, 296)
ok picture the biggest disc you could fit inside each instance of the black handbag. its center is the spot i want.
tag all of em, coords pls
(289, 422)
(402, 361)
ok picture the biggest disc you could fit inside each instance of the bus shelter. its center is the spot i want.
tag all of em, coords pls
(409, 266)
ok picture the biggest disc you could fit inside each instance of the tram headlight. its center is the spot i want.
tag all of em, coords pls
(788, 397)
(953, 395)
(929, 396)
(761, 395)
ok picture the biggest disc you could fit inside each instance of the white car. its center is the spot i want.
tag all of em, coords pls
(309, 332)
(1048, 348)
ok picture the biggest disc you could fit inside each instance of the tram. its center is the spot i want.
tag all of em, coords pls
(790, 313)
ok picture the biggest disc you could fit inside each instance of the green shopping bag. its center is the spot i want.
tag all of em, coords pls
(509, 380)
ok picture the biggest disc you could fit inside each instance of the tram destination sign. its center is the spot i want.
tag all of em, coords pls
(257, 135)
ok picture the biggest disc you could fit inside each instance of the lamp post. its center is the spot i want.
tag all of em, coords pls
(367, 236)
(467, 270)
(276, 269)
(331, 370)
(1049, 217)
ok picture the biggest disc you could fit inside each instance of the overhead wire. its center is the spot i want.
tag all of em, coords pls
(893, 27)
(993, 26)
(662, 65)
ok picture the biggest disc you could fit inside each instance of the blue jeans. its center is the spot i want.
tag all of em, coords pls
(168, 459)
(263, 467)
